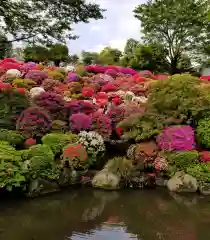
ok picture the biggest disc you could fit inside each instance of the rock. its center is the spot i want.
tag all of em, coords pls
(39, 187)
(106, 180)
(161, 182)
(205, 189)
(182, 182)
(68, 177)
(142, 180)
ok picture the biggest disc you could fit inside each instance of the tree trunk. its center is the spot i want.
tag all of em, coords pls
(173, 67)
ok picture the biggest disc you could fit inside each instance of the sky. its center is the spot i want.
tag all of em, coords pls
(118, 26)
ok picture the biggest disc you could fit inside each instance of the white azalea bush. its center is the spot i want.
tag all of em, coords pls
(93, 143)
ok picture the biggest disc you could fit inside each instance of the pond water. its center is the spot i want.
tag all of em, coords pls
(99, 215)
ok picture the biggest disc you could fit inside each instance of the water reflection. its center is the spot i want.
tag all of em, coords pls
(93, 214)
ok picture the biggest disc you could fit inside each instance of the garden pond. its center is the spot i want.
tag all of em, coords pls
(79, 214)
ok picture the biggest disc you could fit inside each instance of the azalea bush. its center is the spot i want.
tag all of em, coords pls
(34, 122)
(12, 137)
(80, 122)
(74, 156)
(23, 83)
(57, 141)
(93, 144)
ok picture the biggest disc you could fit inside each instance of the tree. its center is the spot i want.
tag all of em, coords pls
(90, 58)
(110, 56)
(73, 59)
(176, 24)
(58, 52)
(5, 47)
(44, 20)
(36, 53)
(130, 46)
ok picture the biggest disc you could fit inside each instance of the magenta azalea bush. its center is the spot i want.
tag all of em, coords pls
(177, 138)
(37, 76)
(80, 122)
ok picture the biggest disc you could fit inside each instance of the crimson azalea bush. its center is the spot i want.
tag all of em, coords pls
(34, 122)
(116, 114)
(102, 124)
(50, 101)
(80, 122)
(177, 138)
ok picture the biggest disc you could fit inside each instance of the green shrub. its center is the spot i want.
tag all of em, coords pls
(201, 172)
(12, 103)
(182, 160)
(12, 137)
(9, 153)
(56, 75)
(179, 96)
(12, 176)
(141, 127)
(203, 131)
(23, 83)
(57, 141)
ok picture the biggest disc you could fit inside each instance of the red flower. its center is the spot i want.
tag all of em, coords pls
(30, 142)
(116, 100)
(87, 92)
(21, 90)
(5, 86)
(205, 156)
(119, 131)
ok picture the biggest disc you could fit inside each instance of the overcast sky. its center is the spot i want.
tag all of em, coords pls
(119, 25)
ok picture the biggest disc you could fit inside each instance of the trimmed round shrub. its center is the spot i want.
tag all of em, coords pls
(37, 76)
(57, 141)
(12, 103)
(23, 83)
(116, 114)
(72, 77)
(49, 101)
(177, 138)
(34, 122)
(203, 131)
(80, 122)
(182, 160)
(40, 157)
(12, 137)
(74, 156)
(200, 171)
(102, 124)
(9, 154)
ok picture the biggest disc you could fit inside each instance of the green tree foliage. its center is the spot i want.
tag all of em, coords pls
(73, 59)
(58, 52)
(90, 57)
(54, 52)
(176, 24)
(110, 56)
(36, 53)
(5, 47)
(45, 20)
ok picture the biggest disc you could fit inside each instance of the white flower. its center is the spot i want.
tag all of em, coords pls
(36, 91)
(13, 73)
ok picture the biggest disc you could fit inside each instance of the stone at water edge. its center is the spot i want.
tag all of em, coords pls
(106, 180)
(182, 182)
(205, 189)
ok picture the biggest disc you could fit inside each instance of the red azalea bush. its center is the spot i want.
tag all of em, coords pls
(75, 156)
(109, 87)
(80, 122)
(102, 124)
(52, 102)
(87, 92)
(34, 122)
(37, 76)
(204, 156)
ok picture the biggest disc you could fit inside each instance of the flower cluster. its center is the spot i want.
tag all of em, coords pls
(93, 143)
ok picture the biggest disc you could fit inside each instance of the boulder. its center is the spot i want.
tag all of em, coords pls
(205, 189)
(106, 180)
(182, 182)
